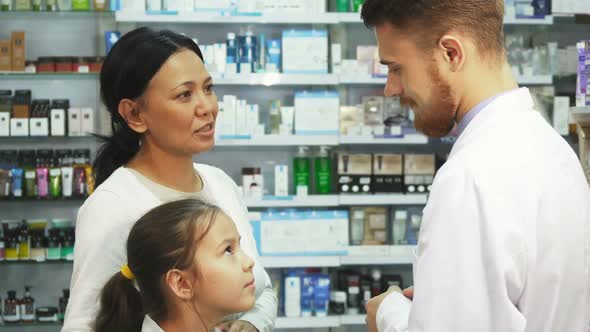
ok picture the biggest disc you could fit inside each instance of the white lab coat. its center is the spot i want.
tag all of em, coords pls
(504, 244)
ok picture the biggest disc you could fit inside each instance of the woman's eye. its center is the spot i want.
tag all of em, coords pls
(185, 94)
(209, 88)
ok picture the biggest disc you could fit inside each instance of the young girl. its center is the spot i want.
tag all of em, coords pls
(185, 272)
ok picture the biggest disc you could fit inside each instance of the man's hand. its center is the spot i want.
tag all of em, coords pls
(372, 307)
(409, 292)
(237, 326)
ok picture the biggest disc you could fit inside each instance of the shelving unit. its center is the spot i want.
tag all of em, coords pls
(272, 84)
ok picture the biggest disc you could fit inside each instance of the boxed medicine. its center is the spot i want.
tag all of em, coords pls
(305, 51)
(74, 121)
(5, 55)
(4, 124)
(87, 126)
(316, 113)
(39, 127)
(387, 173)
(18, 50)
(354, 173)
(351, 120)
(419, 170)
(19, 127)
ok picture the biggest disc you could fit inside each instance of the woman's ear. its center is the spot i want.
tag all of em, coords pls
(129, 111)
(181, 284)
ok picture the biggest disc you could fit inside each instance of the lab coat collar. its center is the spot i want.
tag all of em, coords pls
(519, 100)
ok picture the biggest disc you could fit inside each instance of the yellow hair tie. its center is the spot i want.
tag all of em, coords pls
(126, 272)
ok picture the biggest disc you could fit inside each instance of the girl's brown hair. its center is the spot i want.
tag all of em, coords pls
(163, 239)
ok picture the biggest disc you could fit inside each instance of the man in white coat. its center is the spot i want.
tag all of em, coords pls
(504, 244)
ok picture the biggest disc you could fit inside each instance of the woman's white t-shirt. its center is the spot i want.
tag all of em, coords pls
(104, 223)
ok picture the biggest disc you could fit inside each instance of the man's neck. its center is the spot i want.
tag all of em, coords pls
(483, 85)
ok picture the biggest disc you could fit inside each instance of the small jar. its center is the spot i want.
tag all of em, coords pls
(30, 67)
(2, 250)
(11, 251)
(95, 64)
(38, 250)
(46, 65)
(64, 65)
(338, 303)
(81, 65)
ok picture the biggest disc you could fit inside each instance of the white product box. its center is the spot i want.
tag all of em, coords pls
(88, 125)
(4, 124)
(220, 56)
(252, 119)
(74, 121)
(282, 6)
(336, 51)
(58, 122)
(281, 180)
(241, 118)
(305, 51)
(561, 107)
(293, 296)
(227, 126)
(316, 113)
(310, 233)
(19, 127)
(39, 127)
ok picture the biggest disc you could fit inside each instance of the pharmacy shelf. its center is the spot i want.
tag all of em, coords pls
(294, 201)
(47, 76)
(273, 79)
(362, 80)
(217, 18)
(548, 20)
(337, 200)
(299, 261)
(27, 326)
(375, 255)
(280, 140)
(367, 80)
(383, 199)
(307, 322)
(398, 255)
(369, 140)
(535, 80)
(353, 320)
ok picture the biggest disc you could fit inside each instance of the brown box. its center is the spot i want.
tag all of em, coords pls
(21, 111)
(18, 50)
(5, 55)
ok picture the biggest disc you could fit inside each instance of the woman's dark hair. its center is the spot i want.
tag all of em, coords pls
(163, 239)
(127, 70)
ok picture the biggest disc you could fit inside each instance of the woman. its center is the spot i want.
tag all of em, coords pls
(186, 261)
(163, 110)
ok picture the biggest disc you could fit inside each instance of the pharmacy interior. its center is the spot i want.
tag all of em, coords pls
(332, 171)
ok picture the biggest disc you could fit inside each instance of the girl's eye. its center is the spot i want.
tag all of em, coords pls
(228, 251)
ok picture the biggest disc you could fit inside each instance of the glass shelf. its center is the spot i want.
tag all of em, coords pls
(58, 14)
(48, 76)
(60, 262)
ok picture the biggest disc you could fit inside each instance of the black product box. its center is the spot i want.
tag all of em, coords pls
(387, 173)
(419, 170)
(354, 173)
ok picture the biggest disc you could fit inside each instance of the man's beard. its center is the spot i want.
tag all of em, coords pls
(439, 119)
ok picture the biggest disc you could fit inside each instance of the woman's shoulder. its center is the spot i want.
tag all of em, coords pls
(215, 175)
